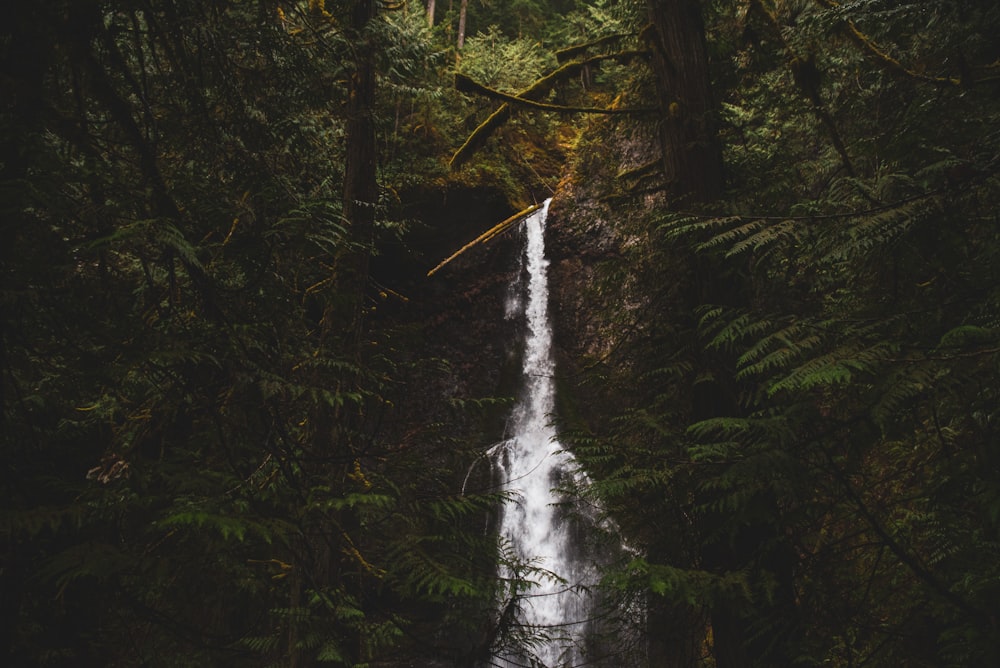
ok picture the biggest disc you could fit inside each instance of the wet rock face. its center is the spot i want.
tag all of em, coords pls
(581, 236)
(588, 227)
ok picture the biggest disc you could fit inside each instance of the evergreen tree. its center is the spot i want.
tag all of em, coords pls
(805, 354)
(195, 471)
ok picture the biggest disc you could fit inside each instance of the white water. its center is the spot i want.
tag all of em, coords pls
(552, 611)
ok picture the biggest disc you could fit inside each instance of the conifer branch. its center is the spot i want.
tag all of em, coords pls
(811, 217)
(881, 57)
(908, 560)
(807, 78)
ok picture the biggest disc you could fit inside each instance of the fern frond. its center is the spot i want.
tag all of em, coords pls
(902, 385)
(29, 522)
(682, 585)
(733, 234)
(171, 237)
(965, 335)
(835, 368)
(88, 559)
(877, 232)
(676, 226)
(330, 652)
(741, 327)
(768, 235)
(779, 349)
(228, 527)
(748, 430)
(417, 572)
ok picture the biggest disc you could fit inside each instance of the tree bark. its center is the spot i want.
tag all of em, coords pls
(360, 176)
(462, 12)
(692, 165)
(430, 13)
(692, 155)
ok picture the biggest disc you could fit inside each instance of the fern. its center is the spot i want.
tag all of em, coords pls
(780, 349)
(29, 523)
(96, 560)
(330, 652)
(784, 231)
(836, 368)
(738, 329)
(419, 573)
(687, 586)
(171, 237)
(964, 335)
(881, 230)
(260, 644)
(902, 386)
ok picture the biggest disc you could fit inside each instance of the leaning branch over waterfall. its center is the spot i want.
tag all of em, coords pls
(488, 234)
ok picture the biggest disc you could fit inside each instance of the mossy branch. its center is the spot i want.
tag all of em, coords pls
(479, 136)
(883, 58)
(467, 85)
(534, 93)
(488, 234)
(562, 55)
(569, 70)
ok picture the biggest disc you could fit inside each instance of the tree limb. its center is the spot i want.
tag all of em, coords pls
(563, 55)
(908, 560)
(534, 93)
(883, 58)
(807, 79)
(488, 234)
(479, 136)
(467, 85)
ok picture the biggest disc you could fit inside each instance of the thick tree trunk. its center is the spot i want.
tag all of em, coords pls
(692, 156)
(430, 13)
(692, 164)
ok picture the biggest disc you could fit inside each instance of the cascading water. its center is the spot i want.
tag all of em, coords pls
(553, 611)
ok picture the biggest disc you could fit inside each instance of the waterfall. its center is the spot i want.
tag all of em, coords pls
(552, 612)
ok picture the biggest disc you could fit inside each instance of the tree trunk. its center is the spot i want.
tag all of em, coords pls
(692, 165)
(692, 156)
(462, 11)
(360, 177)
(430, 13)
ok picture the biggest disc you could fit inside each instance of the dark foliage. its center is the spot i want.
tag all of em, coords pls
(803, 447)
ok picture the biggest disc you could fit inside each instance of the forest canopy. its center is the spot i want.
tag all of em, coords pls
(240, 421)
